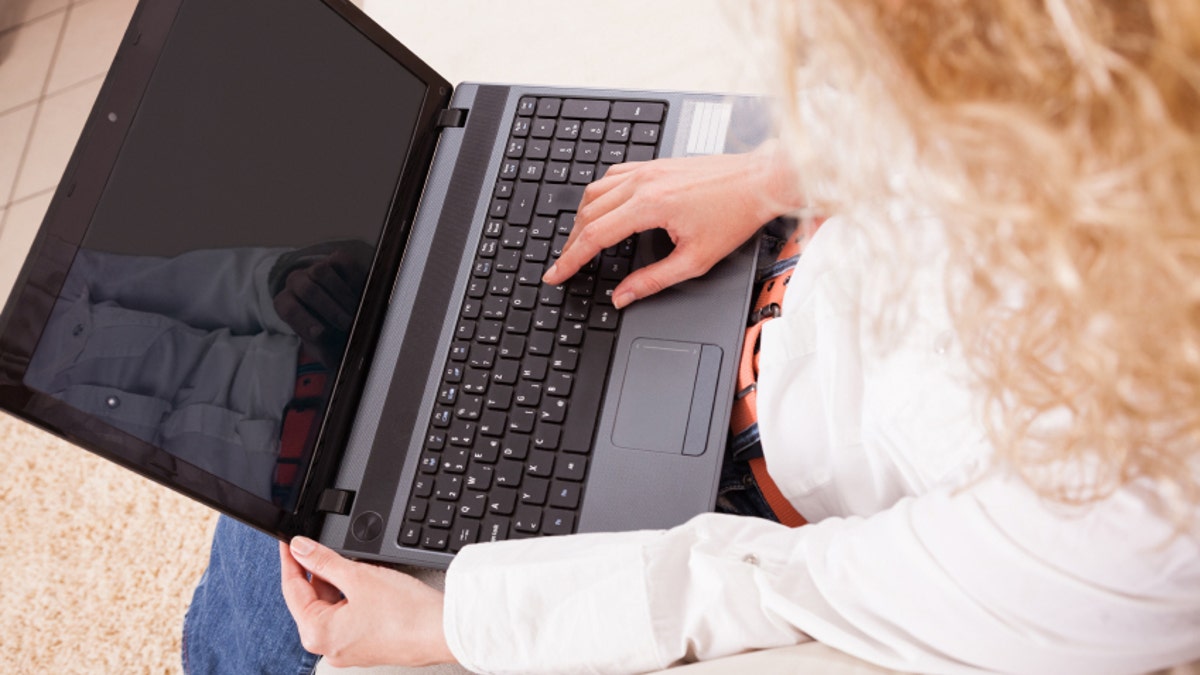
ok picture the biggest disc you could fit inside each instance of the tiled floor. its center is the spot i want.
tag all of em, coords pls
(53, 57)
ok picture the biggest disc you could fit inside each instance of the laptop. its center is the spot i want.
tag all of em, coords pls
(294, 274)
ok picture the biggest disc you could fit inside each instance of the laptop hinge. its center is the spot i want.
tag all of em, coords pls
(452, 117)
(335, 501)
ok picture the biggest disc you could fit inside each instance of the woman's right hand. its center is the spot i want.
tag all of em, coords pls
(707, 205)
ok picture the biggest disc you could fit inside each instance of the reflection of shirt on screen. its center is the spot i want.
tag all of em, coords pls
(186, 353)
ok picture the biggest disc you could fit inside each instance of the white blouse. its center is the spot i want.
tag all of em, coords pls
(920, 555)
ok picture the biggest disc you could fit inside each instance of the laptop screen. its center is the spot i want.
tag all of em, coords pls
(206, 308)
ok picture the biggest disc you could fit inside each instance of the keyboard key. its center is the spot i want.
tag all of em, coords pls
(447, 488)
(540, 342)
(553, 198)
(410, 534)
(588, 152)
(541, 128)
(558, 384)
(618, 132)
(553, 410)
(506, 371)
(636, 111)
(509, 472)
(548, 107)
(557, 522)
(515, 447)
(645, 133)
(417, 509)
(479, 477)
(441, 515)
(527, 519)
(639, 153)
(455, 461)
(502, 501)
(435, 540)
(495, 528)
(593, 370)
(540, 463)
(565, 494)
(493, 423)
(531, 171)
(534, 490)
(582, 173)
(546, 435)
(569, 467)
(423, 486)
(485, 450)
(465, 533)
(567, 130)
(521, 420)
(527, 105)
(592, 131)
(523, 200)
(586, 109)
(612, 153)
(473, 505)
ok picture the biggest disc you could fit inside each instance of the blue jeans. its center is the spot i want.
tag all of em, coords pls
(237, 622)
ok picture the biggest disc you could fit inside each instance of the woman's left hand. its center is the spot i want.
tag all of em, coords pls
(355, 614)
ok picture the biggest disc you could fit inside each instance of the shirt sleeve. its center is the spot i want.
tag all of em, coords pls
(988, 578)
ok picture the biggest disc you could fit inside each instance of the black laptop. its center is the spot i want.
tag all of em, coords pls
(292, 273)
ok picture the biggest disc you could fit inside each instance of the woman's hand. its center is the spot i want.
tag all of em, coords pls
(355, 614)
(707, 205)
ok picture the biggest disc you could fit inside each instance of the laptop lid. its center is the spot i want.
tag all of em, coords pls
(146, 324)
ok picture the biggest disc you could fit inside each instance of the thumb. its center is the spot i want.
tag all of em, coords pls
(655, 277)
(323, 562)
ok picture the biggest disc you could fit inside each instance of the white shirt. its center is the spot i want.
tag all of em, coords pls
(917, 558)
(186, 353)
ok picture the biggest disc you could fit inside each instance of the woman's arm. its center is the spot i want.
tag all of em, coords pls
(708, 206)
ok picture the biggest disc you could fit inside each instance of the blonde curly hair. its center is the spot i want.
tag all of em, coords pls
(1059, 141)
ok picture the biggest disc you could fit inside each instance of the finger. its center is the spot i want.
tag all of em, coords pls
(350, 268)
(326, 275)
(297, 316)
(315, 298)
(298, 593)
(651, 279)
(612, 228)
(323, 562)
(599, 198)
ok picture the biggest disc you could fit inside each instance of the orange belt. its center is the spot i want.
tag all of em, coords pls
(745, 405)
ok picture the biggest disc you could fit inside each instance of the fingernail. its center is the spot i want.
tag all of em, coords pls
(303, 545)
(622, 299)
(550, 273)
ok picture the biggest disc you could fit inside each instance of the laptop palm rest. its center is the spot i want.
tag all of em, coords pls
(666, 399)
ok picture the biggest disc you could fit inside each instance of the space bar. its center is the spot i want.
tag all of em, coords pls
(590, 377)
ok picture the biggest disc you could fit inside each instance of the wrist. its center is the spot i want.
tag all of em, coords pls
(778, 183)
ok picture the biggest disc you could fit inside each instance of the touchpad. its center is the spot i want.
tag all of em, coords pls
(667, 396)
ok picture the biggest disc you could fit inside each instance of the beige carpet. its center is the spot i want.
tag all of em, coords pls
(96, 564)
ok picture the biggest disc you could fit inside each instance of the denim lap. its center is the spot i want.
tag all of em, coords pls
(238, 622)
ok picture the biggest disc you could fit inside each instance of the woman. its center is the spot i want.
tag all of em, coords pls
(983, 392)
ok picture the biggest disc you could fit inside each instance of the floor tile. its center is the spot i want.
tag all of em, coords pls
(55, 131)
(94, 30)
(25, 56)
(14, 132)
(20, 227)
(16, 12)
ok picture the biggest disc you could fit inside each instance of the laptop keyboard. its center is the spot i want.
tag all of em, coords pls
(506, 454)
